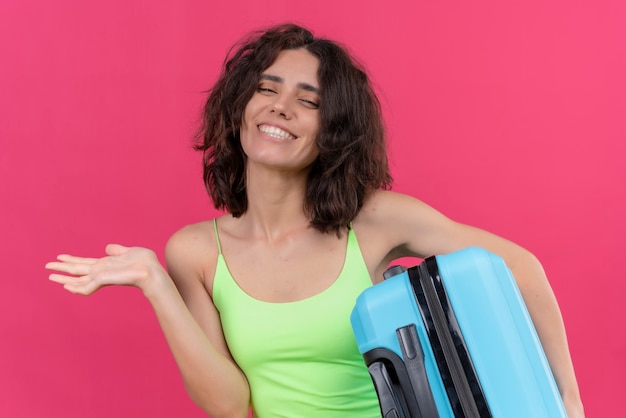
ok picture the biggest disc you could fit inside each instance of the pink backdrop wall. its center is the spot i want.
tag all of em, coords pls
(506, 115)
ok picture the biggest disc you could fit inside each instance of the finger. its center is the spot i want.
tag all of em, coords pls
(73, 259)
(79, 275)
(116, 249)
(77, 290)
(63, 279)
(76, 269)
(84, 285)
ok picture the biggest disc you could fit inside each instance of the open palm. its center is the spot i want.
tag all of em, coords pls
(125, 266)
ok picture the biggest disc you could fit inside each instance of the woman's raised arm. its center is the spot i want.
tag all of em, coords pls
(191, 325)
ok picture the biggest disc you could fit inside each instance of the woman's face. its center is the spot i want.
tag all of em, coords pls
(281, 120)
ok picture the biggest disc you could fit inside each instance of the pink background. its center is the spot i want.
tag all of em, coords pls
(506, 115)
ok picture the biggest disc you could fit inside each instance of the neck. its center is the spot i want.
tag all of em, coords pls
(275, 202)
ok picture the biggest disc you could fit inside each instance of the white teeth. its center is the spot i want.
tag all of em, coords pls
(275, 132)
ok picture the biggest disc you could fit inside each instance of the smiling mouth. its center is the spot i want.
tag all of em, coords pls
(275, 132)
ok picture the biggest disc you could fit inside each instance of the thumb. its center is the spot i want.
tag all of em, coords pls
(116, 249)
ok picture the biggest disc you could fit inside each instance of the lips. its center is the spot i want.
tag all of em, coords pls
(276, 132)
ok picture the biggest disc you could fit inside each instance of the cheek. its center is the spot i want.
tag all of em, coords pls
(251, 109)
(244, 142)
(246, 120)
(244, 132)
(245, 116)
(314, 125)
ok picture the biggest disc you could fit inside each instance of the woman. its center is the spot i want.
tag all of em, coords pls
(255, 304)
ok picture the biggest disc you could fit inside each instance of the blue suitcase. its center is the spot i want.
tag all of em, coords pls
(451, 337)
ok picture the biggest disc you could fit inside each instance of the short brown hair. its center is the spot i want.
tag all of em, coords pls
(352, 159)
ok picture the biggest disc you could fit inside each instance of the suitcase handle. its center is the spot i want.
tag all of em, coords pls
(390, 404)
(402, 384)
(414, 363)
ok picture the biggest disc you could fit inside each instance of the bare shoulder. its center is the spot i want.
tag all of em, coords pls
(381, 202)
(191, 252)
(191, 240)
(389, 209)
(191, 256)
(410, 227)
(392, 225)
(403, 225)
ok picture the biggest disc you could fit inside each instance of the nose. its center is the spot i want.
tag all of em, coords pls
(281, 106)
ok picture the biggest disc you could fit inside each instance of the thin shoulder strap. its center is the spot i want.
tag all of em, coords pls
(217, 237)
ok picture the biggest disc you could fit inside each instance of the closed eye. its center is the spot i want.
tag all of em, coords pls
(310, 103)
(265, 90)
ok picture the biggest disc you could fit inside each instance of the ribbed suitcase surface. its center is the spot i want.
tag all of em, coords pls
(452, 338)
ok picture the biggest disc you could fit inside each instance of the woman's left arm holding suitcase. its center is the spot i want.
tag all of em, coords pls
(412, 228)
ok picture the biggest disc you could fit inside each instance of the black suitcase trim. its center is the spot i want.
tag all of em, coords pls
(402, 383)
(457, 371)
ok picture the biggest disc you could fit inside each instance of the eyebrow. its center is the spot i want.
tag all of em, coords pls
(303, 86)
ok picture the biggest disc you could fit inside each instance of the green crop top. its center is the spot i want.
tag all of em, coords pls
(300, 358)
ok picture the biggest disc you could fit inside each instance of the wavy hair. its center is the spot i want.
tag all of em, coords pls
(352, 159)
